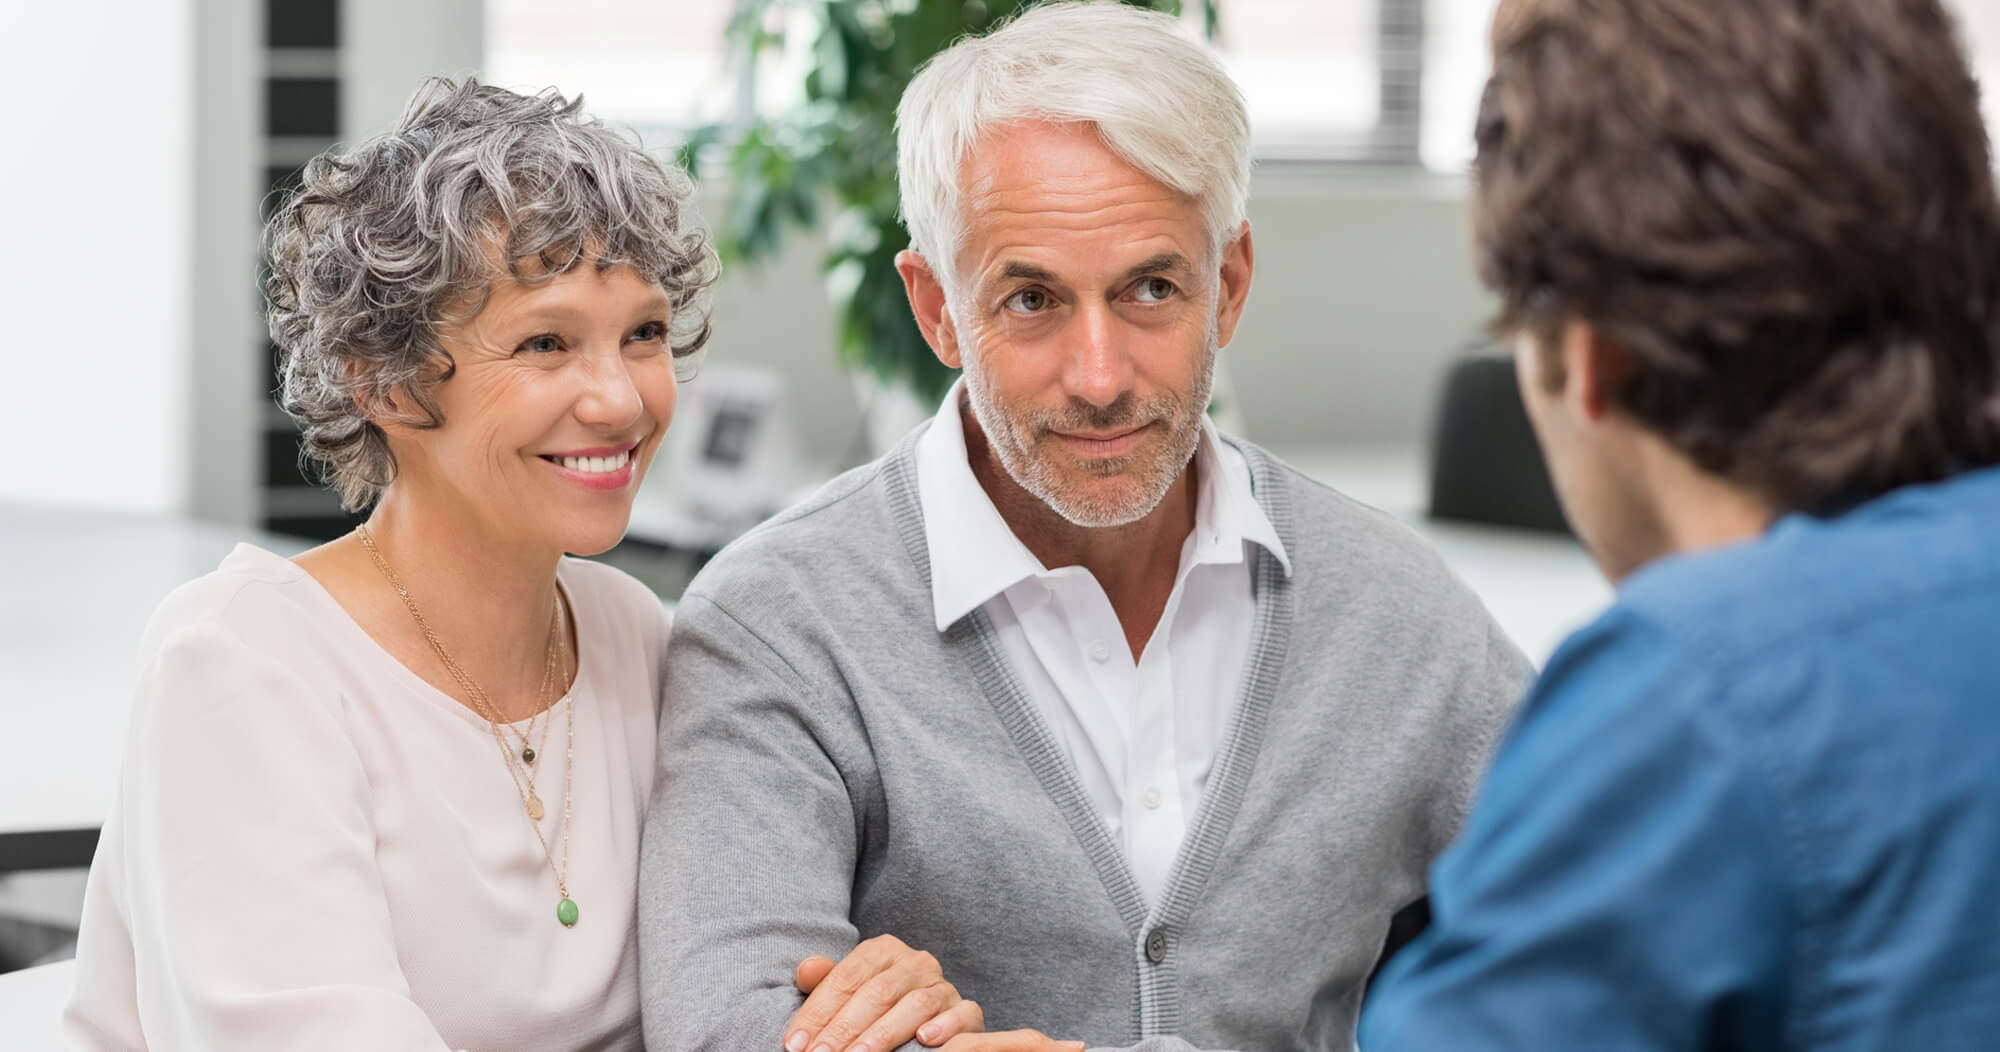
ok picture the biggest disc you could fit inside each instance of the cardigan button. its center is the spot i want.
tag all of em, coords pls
(1156, 945)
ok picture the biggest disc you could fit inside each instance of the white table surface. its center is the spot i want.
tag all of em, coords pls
(1539, 586)
(78, 587)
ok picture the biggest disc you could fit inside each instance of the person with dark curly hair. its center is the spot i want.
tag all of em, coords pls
(387, 795)
(1748, 253)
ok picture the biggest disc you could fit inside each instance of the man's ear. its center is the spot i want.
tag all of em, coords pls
(926, 294)
(1239, 258)
(1593, 369)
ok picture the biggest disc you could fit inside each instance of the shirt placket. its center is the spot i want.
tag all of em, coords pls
(1153, 806)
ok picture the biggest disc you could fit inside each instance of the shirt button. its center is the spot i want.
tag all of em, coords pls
(1156, 945)
(1099, 651)
(1152, 799)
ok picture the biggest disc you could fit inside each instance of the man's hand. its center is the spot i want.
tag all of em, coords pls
(1011, 1041)
(879, 996)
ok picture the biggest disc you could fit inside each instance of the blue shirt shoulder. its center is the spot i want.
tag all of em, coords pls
(1754, 805)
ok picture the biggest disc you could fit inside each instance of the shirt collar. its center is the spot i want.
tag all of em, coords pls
(975, 556)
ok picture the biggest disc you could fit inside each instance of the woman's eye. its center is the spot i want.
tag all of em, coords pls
(652, 330)
(1154, 290)
(1028, 301)
(543, 344)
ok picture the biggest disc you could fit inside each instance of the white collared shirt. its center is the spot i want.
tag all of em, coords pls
(1141, 735)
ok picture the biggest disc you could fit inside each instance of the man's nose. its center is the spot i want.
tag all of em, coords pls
(1098, 369)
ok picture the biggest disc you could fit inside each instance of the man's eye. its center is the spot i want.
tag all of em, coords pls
(652, 330)
(1154, 290)
(543, 344)
(1028, 301)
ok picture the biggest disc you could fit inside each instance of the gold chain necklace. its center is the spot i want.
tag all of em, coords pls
(524, 777)
(566, 908)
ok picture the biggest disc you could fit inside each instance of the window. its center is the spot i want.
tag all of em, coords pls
(1381, 81)
(1312, 74)
(1980, 20)
(1313, 71)
(1456, 65)
(645, 63)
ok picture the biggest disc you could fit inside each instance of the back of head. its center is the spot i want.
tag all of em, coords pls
(1783, 210)
(1159, 100)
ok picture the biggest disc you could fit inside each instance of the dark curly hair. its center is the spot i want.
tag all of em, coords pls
(1783, 210)
(385, 241)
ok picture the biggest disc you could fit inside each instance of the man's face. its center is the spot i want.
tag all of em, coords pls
(1087, 309)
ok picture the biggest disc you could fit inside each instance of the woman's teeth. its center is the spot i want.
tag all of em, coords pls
(596, 465)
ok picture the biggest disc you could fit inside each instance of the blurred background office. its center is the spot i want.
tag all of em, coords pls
(147, 138)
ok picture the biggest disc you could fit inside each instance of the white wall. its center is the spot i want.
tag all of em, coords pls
(1364, 291)
(96, 279)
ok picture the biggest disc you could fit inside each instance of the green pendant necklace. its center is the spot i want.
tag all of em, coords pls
(531, 802)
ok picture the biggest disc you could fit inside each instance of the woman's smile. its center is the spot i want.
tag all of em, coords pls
(601, 468)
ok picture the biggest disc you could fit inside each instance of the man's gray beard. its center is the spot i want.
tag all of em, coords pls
(1011, 439)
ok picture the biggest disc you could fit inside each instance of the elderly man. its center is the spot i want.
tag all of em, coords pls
(1145, 736)
(1755, 273)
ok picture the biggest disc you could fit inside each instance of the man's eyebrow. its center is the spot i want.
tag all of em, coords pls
(1164, 263)
(1017, 269)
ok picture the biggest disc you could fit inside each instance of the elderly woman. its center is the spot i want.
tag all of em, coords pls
(387, 795)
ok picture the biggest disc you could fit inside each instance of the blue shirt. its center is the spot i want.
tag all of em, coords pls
(1756, 805)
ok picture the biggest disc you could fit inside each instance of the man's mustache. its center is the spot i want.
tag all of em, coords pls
(1123, 414)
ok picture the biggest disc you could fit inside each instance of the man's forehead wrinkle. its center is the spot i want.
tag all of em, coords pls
(1066, 206)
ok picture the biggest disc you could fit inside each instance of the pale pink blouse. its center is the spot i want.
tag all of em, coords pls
(312, 848)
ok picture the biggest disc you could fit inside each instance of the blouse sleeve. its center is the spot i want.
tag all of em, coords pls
(257, 913)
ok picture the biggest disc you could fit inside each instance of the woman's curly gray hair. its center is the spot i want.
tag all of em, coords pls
(386, 241)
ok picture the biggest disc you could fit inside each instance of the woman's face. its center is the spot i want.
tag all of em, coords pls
(562, 393)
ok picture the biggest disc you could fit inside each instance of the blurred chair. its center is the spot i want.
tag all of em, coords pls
(31, 1006)
(1485, 465)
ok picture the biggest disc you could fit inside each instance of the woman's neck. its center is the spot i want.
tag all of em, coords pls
(487, 598)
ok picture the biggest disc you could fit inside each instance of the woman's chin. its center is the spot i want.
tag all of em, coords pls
(594, 538)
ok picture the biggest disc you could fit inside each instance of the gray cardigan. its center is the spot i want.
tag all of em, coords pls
(833, 767)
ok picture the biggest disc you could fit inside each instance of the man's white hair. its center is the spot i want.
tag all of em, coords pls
(1159, 100)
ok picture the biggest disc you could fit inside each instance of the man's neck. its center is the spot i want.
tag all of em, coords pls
(1135, 564)
(1693, 510)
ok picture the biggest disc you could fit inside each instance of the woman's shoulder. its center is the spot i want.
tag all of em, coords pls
(254, 596)
(255, 646)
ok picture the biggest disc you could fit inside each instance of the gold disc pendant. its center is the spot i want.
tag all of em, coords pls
(535, 810)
